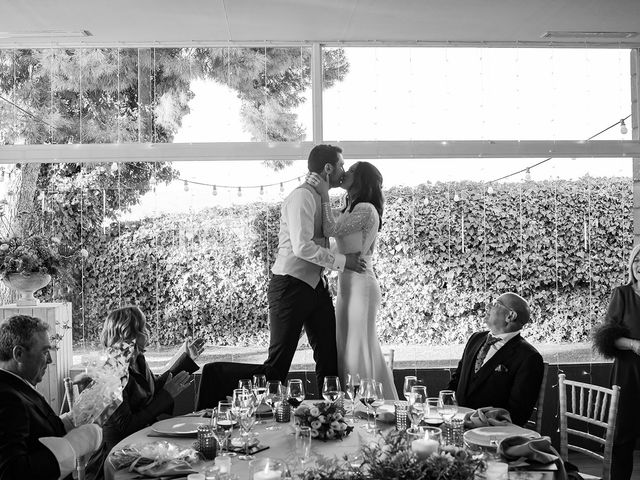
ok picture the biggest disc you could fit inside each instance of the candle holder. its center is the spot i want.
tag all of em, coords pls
(402, 415)
(428, 443)
(266, 469)
(283, 413)
(207, 443)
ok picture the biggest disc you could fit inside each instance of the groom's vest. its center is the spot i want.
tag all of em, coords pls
(286, 262)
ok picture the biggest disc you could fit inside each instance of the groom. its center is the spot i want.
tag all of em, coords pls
(298, 294)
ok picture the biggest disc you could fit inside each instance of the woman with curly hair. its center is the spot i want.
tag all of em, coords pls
(619, 338)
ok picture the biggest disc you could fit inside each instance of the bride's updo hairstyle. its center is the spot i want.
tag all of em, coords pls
(366, 187)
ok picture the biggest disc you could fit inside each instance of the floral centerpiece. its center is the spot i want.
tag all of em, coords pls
(392, 457)
(325, 419)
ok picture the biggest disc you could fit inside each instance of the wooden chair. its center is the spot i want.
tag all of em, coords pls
(586, 406)
(535, 422)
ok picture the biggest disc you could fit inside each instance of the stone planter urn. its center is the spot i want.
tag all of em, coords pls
(26, 285)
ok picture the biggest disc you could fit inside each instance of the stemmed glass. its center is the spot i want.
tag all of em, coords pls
(417, 401)
(331, 388)
(245, 383)
(352, 386)
(409, 381)
(447, 405)
(378, 402)
(368, 395)
(259, 390)
(244, 406)
(274, 397)
(224, 422)
(295, 396)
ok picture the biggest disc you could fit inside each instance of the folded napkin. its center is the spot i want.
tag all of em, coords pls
(518, 448)
(487, 417)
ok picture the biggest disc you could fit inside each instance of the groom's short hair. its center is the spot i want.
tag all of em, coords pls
(320, 155)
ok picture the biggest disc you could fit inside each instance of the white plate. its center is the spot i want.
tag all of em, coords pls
(179, 425)
(484, 436)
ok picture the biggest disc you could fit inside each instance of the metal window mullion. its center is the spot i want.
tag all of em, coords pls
(316, 91)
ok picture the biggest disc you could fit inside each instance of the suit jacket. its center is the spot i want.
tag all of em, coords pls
(510, 379)
(25, 417)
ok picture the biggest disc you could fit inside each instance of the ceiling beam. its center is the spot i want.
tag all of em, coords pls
(259, 151)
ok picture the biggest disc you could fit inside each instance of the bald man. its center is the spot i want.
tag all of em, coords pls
(499, 368)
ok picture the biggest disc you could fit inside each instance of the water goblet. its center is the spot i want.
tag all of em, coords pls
(224, 423)
(247, 419)
(303, 444)
(245, 383)
(368, 396)
(447, 405)
(259, 390)
(331, 388)
(417, 401)
(352, 387)
(432, 416)
(274, 397)
(295, 396)
(409, 381)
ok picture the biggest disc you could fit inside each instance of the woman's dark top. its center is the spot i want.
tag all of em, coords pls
(623, 320)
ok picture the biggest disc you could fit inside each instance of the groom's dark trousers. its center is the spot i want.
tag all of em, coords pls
(292, 305)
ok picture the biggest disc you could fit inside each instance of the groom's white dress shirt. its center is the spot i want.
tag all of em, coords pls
(302, 248)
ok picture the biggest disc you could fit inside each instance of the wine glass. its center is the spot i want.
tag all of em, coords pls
(331, 388)
(274, 397)
(245, 383)
(432, 415)
(259, 390)
(224, 422)
(417, 401)
(447, 405)
(368, 395)
(378, 401)
(352, 386)
(247, 419)
(409, 381)
(295, 396)
(303, 444)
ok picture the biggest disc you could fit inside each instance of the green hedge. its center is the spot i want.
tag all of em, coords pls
(561, 244)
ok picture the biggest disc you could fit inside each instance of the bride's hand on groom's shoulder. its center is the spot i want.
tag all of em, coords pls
(355, 262)
(318, 183)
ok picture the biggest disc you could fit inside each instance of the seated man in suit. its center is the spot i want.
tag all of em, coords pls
(499, 368)
(34, 442)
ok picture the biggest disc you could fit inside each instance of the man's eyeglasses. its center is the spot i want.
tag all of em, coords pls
(498, 303)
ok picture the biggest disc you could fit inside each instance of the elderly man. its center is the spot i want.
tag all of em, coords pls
(34, 442)
(499, 368)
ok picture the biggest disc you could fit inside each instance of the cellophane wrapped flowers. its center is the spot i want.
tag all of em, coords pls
(99, 400)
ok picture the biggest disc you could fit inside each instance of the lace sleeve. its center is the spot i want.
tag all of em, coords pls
(362, 218)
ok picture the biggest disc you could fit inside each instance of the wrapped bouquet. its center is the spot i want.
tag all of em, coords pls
(325, 419)
(103, 395)
(155, 459)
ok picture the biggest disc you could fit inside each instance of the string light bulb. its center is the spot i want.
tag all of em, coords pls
(261, 190)
(186, 186)
(527, 175)
(623, 127)
(456, 197)
(281, 187)
(239, 191)
(490, 190)
(114, 167)
(214, 191)
(2, 175)
(426, 201)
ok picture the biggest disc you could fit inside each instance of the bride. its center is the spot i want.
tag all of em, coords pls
(355, 229)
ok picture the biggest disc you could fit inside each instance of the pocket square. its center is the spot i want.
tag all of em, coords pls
(501, 368)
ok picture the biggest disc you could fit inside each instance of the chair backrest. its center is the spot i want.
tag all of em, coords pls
(389, 358)
(535, 422)
(588, 405)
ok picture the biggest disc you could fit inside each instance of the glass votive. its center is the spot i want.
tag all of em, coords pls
(212, 473)
(224, 466)
(202, 430)
(402, 415)
(428, 444)
(283, 412)
(457, 431)
(208, 445)
(266, 469)
(497, 470)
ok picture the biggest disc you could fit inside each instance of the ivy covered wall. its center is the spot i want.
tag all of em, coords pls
(445, 249)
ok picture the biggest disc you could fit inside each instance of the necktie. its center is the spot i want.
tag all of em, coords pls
(482, 354)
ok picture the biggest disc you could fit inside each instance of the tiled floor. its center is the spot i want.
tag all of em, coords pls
(593, 467)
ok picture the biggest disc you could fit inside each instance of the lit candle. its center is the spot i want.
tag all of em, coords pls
(425, 447)
(267, 475)
(224, 463)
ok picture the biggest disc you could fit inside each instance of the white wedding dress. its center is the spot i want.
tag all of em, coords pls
(358, 299)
